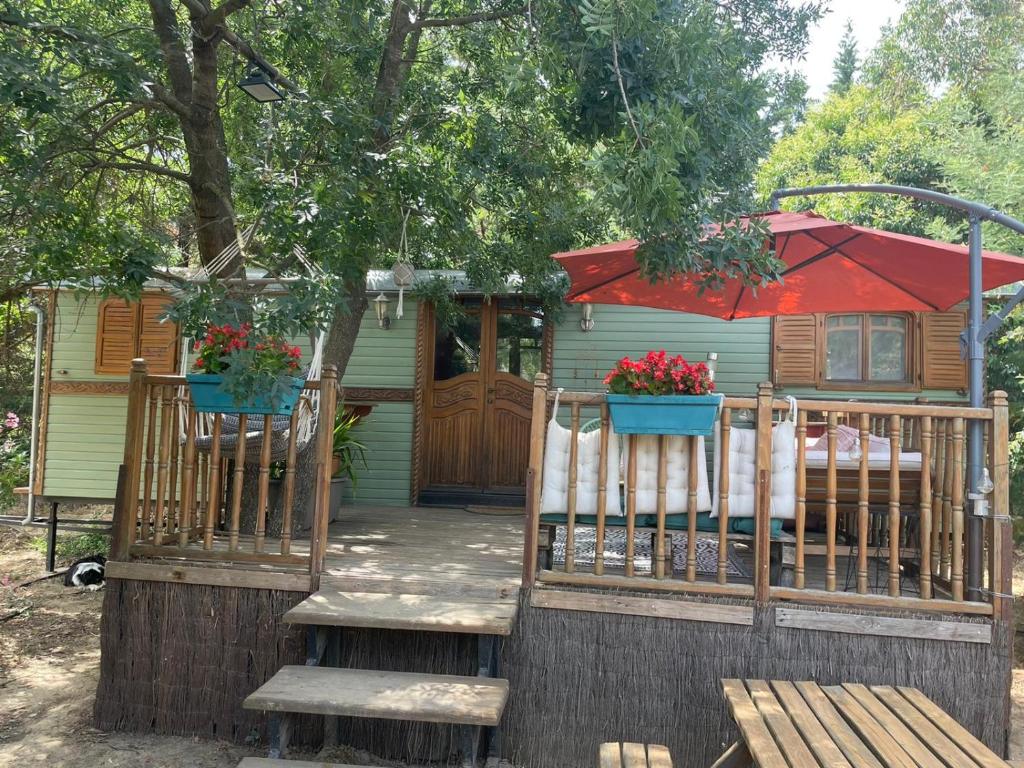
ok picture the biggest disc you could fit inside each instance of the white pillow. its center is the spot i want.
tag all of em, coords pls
(743, 470)
(677, 486)
(555, 486)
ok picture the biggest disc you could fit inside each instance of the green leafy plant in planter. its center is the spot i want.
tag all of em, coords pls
(239, 369)
(348, 452)
(659, 394)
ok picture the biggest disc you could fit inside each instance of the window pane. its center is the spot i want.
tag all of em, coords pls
(843, 355)
(457, 349)
(888, 349)
(519, 344)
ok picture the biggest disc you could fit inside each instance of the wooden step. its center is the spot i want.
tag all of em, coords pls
(387, 695)
(431, 613)
(267, 762)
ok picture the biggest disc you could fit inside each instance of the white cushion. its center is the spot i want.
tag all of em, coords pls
(555, 484)
(677, 486)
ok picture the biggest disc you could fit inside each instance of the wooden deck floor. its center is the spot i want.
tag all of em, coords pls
(424, 550)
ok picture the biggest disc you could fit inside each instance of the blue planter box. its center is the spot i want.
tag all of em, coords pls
(208, 396)
(664, 414)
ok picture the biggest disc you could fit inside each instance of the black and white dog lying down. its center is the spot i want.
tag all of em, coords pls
(87, 572)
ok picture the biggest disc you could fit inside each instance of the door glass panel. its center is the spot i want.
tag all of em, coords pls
(888, 348)
(457, 348)
(843, 345)
(519, 344)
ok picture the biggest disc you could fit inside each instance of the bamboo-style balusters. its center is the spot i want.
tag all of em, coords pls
(830, 506)
(925, 532)
(956, 576)
(894, 505)
(725, 436)
(570, 527)
(863, 491)
(602, 491)
(631, 504)
(659, 544)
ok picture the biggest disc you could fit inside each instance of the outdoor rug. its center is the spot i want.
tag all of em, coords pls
(615, 552)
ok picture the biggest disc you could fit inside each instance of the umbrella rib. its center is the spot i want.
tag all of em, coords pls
(880, 276)
(819, 256)
(596, 286)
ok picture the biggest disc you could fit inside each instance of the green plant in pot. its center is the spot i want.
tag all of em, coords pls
(347, 451)
(242, 371)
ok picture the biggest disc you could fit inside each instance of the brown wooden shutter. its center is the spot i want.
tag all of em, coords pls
(794, 351)
(941, 365)
(115, 336)
(158, 342)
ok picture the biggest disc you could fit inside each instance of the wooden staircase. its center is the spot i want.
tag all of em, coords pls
(476, 703)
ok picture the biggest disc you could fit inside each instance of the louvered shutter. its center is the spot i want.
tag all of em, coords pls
(158, 342)
(115, 336)
(942, 367)
(794, 351)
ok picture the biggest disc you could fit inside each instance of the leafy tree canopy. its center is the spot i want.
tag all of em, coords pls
(844, 66)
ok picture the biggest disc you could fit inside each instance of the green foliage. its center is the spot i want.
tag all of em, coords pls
(14, 456)
(346, 448)
(77, 546)
(844, 66)
(439, 291)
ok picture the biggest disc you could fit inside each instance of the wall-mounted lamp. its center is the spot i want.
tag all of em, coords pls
(381, 305)
(587, 319)
(260, 86)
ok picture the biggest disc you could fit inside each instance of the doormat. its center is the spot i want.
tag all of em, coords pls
(615, 552)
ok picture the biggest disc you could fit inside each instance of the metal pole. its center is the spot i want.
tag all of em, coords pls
(975, 528)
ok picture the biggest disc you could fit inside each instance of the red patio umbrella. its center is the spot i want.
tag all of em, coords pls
(830, 267)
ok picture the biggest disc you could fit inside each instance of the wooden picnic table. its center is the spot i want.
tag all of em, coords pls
(805, 725)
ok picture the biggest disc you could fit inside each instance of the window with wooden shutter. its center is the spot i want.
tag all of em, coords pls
(158, 342)
(126, 330)
(794, 350)
(942, 366)
(115, 336)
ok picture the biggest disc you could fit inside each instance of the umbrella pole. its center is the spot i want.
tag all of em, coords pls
(975, 428)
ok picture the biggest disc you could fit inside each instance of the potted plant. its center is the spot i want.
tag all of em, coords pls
(346, 449)
(661, 395)
(238, 371)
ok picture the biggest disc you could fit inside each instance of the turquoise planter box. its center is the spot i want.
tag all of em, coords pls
(209, 397)
(664, 414)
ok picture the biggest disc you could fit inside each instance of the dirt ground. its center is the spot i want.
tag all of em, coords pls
(49, 663)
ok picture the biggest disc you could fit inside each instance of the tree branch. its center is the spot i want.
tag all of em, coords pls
(219, 14)
(169, 100)
(143, 167)
(472, 18)
(249, 52)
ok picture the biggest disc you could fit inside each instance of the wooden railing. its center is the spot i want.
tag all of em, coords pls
(874, 522)
(181, 493)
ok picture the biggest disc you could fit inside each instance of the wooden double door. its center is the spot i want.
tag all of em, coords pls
(479, 395)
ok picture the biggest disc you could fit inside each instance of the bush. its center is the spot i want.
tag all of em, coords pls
(14, 458)
(76, 546)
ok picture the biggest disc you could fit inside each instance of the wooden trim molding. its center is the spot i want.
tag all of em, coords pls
(89, 388)
(44, 406)
(888, 626)
(424, 330)
(378, 395)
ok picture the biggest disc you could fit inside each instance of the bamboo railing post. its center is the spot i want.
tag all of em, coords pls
(163, 466)
(863, 495)
(288, 495)
(325, 445)
(1001, 543)
(956, 575)
(147, 482)
(895, 431)
(602, 492)
(538, 429)
(263, 483)
(237, 482)
(691, 510)
(659, 544)
(925, 532)
(799, 575)
(631, 505)
(723, 495)
(188, 479)
(830, 506)
(939, 462)
(570, 495)
(126, 510)
(947, 503)
(762, 493)
(173, 499)
(213, 497)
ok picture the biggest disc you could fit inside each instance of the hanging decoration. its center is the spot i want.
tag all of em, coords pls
(403, 271)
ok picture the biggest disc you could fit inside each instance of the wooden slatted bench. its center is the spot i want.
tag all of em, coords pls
(804, 725)
(629, 755)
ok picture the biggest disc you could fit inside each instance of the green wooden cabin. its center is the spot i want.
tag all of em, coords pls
(450, 408)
